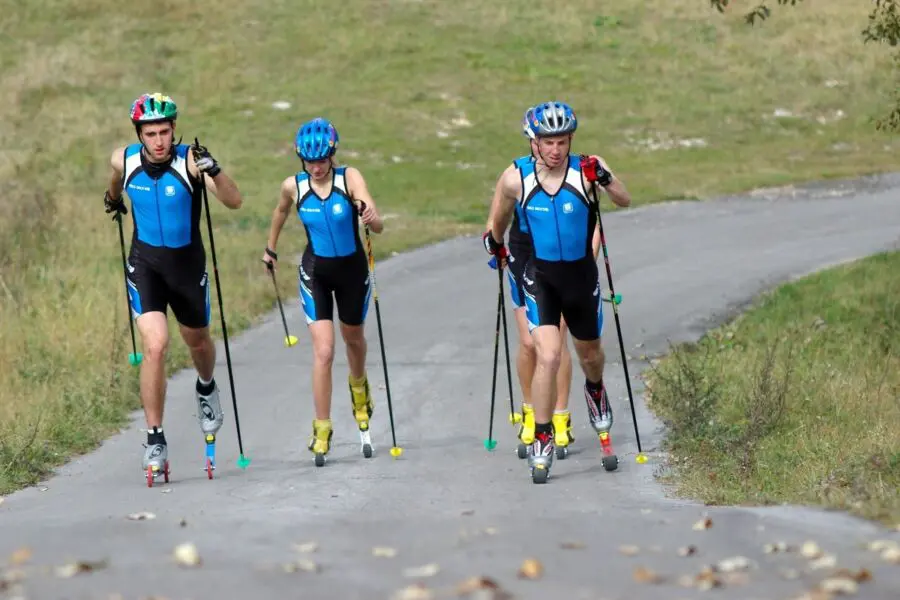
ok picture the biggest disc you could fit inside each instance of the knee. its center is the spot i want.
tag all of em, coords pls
(199, 343)
(526, 346)
(354, 338)
(592, 355)
(548, 358)
(323, 354)
(155, 348)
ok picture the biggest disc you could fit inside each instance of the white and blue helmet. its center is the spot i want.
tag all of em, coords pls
(549, 119)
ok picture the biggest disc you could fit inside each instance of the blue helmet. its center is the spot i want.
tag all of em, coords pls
(526, 123)
(552, 118)
(316, 140)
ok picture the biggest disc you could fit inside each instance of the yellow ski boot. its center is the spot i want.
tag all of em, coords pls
(320, 440)
(363, 407)
(562, 432)
(526, 432)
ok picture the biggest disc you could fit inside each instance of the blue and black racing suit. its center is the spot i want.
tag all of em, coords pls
(334, 261)
(560, 277)
(167, 262)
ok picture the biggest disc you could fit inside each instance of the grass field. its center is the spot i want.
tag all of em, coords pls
(682, 101)
(795, 401)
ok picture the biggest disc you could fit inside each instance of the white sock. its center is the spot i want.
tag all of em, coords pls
(203, 381)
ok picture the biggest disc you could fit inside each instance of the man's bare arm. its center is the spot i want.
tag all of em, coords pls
(506, 195)
(281, 212)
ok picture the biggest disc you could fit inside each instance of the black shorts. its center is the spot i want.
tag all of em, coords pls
(567, 289)
(519, 254)
(346, 277)
(164, 277)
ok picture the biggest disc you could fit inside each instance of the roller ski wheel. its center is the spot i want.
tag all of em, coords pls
(539, 474)
(320, 441)
(522, 450)
(154, 473)
(610, 460)
(540, 457)
(210, 454)
(562, 433)
(365, 443)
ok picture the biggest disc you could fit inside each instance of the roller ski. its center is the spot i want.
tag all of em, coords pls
(540, 457)
(562, 433)
(363, 407)
(211, 417)
(526, 431)
(601, 417)
(320, 441)
(156, 457)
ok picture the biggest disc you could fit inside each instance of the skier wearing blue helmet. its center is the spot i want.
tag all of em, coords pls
(330, 201)
(561, 278)
(519, 254)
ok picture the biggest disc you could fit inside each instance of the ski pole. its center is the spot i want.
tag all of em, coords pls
(135, 357)
(243, 462)
(395, 449)
(289, 340)
(514, 417)
(490, 443)
(641, 457)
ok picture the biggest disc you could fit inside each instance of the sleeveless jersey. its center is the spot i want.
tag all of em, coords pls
(332, 224)
(164, 205)
(518, 233)
(561, 226)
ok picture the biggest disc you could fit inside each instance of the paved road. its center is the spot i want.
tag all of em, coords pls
(680, 267)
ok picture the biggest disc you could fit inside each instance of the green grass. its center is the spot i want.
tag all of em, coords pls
(440, 86)
(794, 401)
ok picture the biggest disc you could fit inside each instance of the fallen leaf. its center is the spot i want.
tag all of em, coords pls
(468, 513)
(891, 555)
(790, 574)
(702, 524)
(490, 530)
(881, 545)
(428, 570)
(187, 555)
(839, 585)
(810, 550)
(44, 489)
(645, 575)
(303, 564)
(166, 491)
(75, 568)
(687, 550)
(142, 516)
(413, 592)
(735, 563)
(646, 511)
(861, 576)
(384, 552)
(826, 561)
(306, 547)
(572, 546)
(482, 588)
(629, 550)
(531, 569)
(707, 579)
(20, 556)
(776, 547)
(182, 523)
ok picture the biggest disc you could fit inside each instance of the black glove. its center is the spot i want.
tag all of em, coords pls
(114, 206)
(594, 171)
(204, 160)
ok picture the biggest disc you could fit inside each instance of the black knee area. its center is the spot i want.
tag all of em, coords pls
(155, 435)
(543, 428)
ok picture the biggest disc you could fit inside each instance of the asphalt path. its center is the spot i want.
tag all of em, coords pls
(448, 510)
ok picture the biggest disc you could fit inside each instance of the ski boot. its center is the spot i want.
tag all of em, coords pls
(562, 433)
(526, 431)
(601, 416)
(209, 412)
(156, 457)
(541, 457)
(363, 407)
(320, 440)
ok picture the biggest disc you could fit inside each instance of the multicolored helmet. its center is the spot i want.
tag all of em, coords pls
(153, 108)
(552, 118)
(316, 140)
(526, 123)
